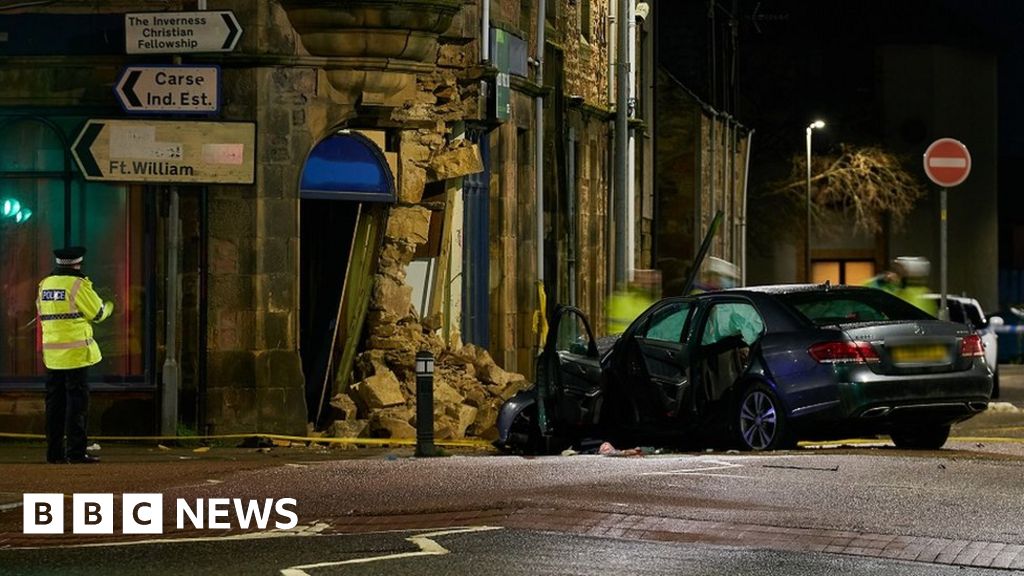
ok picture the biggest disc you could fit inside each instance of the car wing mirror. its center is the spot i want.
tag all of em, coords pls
(996, 321)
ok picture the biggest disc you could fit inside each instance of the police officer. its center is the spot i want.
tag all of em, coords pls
(67, 304)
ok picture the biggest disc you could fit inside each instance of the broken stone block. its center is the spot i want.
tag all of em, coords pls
(476, 397)
(456, 162)
(344, 407)
(496, 375)
(411, 223)
(446, 428)
(379, 391)
(348, 429)
(384, 426)
(390, 296)
(466, 417)
(445, 394)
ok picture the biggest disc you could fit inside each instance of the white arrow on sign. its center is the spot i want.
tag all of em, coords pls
(180, 89)
(177, 32)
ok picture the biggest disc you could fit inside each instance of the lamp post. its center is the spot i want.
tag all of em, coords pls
(807, 238)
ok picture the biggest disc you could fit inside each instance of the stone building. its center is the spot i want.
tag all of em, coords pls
(398, 191)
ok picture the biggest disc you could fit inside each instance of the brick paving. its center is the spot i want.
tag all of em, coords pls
(664, 529)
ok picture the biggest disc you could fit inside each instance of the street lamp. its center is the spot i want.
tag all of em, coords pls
(807, 238)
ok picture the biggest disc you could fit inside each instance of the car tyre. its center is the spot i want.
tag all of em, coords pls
(759, 420)
(524, 435)
(920, 437)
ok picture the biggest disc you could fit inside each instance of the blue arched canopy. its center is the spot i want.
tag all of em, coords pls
(347, 166)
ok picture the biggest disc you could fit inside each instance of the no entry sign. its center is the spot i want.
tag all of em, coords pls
(947, 162)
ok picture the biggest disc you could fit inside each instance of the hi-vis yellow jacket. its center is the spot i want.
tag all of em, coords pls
(66, 305)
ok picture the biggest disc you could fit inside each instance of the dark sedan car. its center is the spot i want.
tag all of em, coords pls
(761, 367)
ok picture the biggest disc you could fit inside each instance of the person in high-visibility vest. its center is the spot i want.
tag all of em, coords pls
(67, 305)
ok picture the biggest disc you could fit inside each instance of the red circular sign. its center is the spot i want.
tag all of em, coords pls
(947, 162)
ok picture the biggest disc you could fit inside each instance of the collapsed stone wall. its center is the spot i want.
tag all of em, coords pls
(469, 387)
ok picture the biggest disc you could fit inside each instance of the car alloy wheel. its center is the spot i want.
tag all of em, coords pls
(760, 419)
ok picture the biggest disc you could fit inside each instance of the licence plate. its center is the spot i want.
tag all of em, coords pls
(920, 354)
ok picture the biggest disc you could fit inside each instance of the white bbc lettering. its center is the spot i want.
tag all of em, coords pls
(185, 510)
(142, 514)
(283, 511)
(92, 514)
(218, 508)
(43, 513)
(253, 510)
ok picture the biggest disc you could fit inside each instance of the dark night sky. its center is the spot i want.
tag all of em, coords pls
(796, 59)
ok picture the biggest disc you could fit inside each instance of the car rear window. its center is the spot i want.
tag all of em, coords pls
(825, 308)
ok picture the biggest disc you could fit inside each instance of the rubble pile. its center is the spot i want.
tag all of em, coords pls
(469, 389)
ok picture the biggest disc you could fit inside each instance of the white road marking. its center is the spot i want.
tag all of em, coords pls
(11, 506)
(714, 465)
(427, 547)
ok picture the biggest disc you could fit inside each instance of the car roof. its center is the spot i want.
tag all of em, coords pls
(775, 289)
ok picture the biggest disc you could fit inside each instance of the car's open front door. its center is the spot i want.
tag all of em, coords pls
(569, 375)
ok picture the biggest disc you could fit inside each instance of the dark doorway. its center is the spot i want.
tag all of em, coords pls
(325, 244)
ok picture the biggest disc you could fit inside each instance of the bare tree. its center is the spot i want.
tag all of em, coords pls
(866, 182)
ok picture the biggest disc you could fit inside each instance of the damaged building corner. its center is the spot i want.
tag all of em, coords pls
(469, 387)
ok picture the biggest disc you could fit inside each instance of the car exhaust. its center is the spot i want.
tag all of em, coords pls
(978, 406)
(876, 412)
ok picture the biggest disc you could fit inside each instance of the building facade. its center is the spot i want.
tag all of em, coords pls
(376, 178)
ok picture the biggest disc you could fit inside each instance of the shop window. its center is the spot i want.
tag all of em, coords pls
(45, 204)
(849, 272)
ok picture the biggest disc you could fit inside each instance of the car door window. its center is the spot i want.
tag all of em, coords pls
(669, 323)
(732, 319)
(572, 335)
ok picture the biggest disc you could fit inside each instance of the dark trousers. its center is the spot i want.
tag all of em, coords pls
(67, 409)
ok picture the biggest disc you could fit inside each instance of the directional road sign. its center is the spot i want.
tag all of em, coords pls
(178, 32)
(167, 151)
(178, 89)
(947, 162)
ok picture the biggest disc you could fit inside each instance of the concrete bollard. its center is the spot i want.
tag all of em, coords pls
(425, 404)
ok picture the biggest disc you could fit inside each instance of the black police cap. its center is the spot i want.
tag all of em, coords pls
(69, 256)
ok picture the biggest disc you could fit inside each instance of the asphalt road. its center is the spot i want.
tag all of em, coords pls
(482, 552)
(849, 508)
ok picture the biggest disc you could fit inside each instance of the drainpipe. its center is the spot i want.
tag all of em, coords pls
(539, 144)
(631, 257)
(542, 390)
(171, 374)
(485, 31)
(727, 189)
(711, 164)
(612, 47)
(573, 190)
(743, 222)
(621, 144)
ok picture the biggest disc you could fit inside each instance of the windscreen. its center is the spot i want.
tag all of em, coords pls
(825, 308)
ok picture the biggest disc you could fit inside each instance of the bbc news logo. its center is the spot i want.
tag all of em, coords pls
(144, 513)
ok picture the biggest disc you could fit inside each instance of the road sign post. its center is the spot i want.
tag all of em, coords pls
(169, 152)
(193, 89)
(947, 163)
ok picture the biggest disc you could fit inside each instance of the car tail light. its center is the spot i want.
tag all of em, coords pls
(971, 347)
(843, 351)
